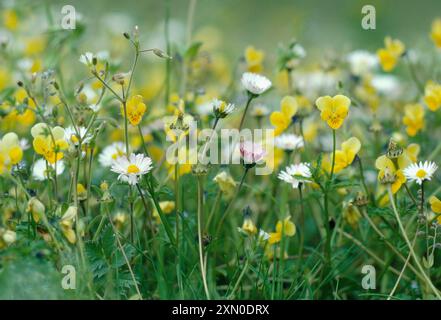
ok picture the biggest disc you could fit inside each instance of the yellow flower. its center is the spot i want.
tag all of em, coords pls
(81, 191)
(435, 205)
(135, 109)
(49, 144)
(10, 151)
(4, 78)
(334, 110)
(10, 19)
(409, 155)
(436, 32)
(387, 167)
(166, 207)
(390, 54)
(248, 226)
(67, 222)
(352, 215)
(432, 95)
(283, 118)
(36, 208)
(285, 227)
(343, 157)
(35, 46)
(413, 118)
(226, 183)
(254, 59)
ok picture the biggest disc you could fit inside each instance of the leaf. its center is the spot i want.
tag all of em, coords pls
(193, 50)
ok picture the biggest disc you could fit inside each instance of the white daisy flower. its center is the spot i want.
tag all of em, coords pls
(361, 62)
(71, 135)
(95, 107)
(132, 168)
(260, 110)
(86, 58)
(255, 83)
(111, 153)
(420, 171)
(222, 109)
(288, 142)
(293, 173)
(263, 235)
(24, 144)
(39, 170)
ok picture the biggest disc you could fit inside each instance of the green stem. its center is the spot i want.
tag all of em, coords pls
(242, 120)
(412, 252)
(200, 227)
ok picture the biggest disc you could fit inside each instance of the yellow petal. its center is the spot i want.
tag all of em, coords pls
(351, 147)
(324, 103)
(288, 106)
(384, 162)
(435, 204)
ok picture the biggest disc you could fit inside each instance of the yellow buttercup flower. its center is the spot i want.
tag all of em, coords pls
(390, 54)
(436, 32)
(254, 59)
(334, 110)
(432, 95)
(49, 144)
(386, 169)
(10, 151)
(10, 19)
(135, 109)
(283, 118)
(285, 227)
(413, 118)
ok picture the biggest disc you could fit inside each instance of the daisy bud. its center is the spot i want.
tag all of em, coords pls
(126, 35)
(388, 177)
(161, 54)
(20, 83)
(119, 78)
(199, 169)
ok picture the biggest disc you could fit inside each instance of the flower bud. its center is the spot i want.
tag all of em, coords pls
(36, 208)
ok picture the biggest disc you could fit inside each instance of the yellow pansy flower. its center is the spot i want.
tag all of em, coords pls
(436, 32)
(285, 227)
(135, 109)
(10, 151)
(409, 155)
(49, 144)
(248, 226)
(254, 59)
(413, 118)
(35, 46)
(352, 215)
(36, 208)
(432, 95)
(435, 205)
(334, 110)
(67, 223)
(343, 157)
(226, 183)
(283, 118)
(386, 166)
(10, 19)
(166, 207)
(390, 54)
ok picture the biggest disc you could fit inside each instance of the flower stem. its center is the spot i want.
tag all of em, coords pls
(200, 227)
(250, 98)
(412, 252)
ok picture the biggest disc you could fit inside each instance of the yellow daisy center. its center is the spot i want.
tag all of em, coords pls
(133, 169)
(421, 173)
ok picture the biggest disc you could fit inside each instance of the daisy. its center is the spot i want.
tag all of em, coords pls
(70, 135)
(259, 111)
(111, 153)
(255, 83)
(39, 170)
(86, 58)
(222, 109)
(251, 153)
(130, 169)
(289, 142)
(361, 62)
(294, 173)
(420, 171)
